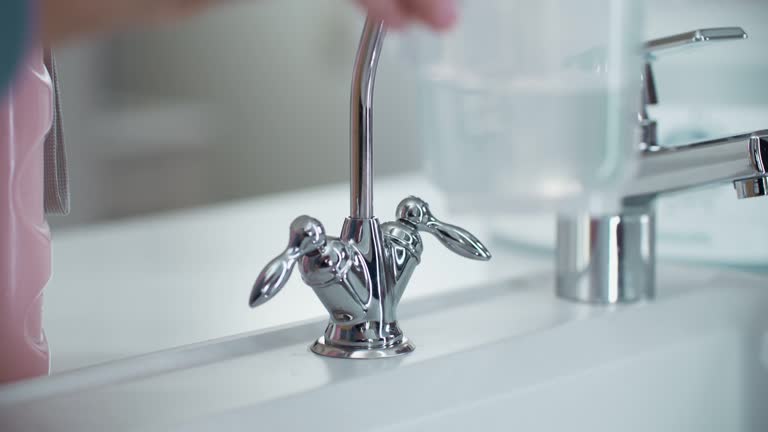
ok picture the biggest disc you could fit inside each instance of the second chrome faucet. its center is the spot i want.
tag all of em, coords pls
(360, 276)
(612, 258)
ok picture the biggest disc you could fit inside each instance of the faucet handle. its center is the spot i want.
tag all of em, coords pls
(694, 38)
(649, 139)
(307, 235)
(416, 211)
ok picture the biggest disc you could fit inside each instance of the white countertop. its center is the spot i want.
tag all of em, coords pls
(504, 352)
(160, 282)
(141, 285)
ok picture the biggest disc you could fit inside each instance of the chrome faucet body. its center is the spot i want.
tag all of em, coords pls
(612, 258)
(361, 276)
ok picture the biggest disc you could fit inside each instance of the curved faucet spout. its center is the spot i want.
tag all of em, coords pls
(361, 122)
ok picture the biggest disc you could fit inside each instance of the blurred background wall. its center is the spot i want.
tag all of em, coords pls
(252, 99)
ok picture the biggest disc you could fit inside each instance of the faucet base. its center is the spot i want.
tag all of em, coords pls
(323, 348)
(608, 259)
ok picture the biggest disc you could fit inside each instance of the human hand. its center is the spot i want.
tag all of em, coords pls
(437, 14)
(62, 20)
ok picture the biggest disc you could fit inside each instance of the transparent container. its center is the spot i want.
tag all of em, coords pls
(531, 105)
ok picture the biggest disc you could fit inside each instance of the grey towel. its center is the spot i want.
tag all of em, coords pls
(56, 193)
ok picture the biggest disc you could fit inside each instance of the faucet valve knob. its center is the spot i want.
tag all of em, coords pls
(307, 235)
(460, 241)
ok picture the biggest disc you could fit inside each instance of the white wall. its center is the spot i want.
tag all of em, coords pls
(253, 99)
(278, 73)
(270, 80)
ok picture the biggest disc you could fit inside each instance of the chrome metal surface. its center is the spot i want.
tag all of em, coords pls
(694, 37)
(404, 242)
(361, 276)
(607, 259)
(307, 235)
(321, 347)
(648, 126)
(670, 169)
(651, 49)
(751, 187)
(461, 242)
(361, 120)
(612, 258)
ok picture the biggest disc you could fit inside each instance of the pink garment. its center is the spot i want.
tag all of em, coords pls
(25, 243)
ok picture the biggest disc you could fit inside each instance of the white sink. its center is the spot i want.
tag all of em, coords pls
(496, 357)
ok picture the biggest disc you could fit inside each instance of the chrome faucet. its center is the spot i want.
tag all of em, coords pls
(612, 258)
(360, 276)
